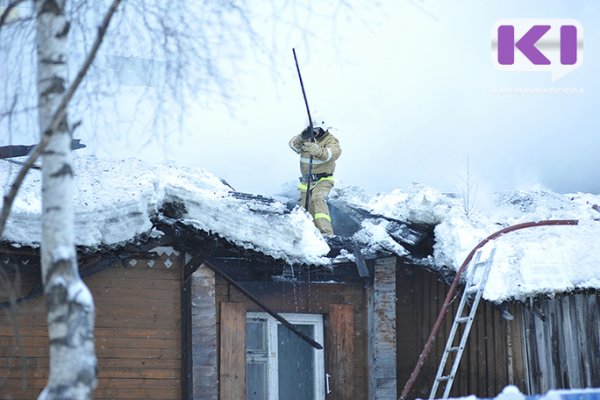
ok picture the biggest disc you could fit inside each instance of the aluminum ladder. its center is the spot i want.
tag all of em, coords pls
(477, 276)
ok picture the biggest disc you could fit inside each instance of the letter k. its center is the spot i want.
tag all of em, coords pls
(527, 44)
(506, 44)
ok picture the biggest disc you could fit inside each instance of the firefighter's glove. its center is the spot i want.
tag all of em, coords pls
(306, 134)
(312, 148)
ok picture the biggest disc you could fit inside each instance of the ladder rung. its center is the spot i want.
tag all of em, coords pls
(472, 289)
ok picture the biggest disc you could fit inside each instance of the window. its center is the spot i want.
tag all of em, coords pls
(280, 365)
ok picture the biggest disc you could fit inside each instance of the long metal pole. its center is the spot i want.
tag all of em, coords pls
(310, 126)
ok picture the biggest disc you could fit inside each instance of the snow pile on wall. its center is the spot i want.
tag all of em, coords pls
(115, 201)
(527, 262)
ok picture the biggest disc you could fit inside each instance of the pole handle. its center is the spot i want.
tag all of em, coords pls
(310, 126)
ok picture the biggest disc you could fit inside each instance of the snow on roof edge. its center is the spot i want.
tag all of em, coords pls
(115, 202)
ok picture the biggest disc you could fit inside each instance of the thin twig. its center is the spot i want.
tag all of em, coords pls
(7, 11)
(57, 118)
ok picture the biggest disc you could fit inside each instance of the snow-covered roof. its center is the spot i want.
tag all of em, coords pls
(527, 262)
(116, 200)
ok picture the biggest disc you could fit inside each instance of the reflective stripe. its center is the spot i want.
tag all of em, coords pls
(307, 161)
(329, 154)
(303, 186)
(322, 216)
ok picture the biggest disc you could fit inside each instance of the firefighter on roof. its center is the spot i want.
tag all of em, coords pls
(325, 150)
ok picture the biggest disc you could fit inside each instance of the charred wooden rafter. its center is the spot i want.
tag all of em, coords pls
(24, 150)
(267, 309)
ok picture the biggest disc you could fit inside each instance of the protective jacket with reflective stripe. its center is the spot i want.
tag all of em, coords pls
(324, 163)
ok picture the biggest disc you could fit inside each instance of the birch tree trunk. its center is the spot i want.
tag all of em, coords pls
(69, 303)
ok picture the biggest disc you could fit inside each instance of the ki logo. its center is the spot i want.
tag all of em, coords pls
(554, 45)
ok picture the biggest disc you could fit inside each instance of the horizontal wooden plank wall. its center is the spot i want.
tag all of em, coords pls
(24, 358)
(139, 308)
(562, 342)
(287, 297)
(138, 338)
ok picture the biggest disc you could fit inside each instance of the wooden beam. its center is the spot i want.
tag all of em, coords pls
(340, 354)
(204, 335)
(361, 265)
(22, 150)
(381, 320)
(272, 313)
(186, 334)
(232, 375)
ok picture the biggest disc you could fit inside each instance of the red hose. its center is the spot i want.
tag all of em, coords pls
(450, 295)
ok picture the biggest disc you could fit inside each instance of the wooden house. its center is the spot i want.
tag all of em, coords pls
(190, 315)
(173, 325)
(198, 305)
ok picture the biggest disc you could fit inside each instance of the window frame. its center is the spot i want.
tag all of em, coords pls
(316, 320)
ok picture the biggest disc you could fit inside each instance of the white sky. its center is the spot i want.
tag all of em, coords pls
(409, 85)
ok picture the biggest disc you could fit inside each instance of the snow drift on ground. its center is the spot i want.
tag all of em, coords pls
(527, 262)
(115, 201)
(513, 393)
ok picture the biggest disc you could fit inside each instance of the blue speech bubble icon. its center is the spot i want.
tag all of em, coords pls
(554, 45)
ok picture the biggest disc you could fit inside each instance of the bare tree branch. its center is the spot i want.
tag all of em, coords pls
(7, 11)
(57, 118)
(10, 118)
